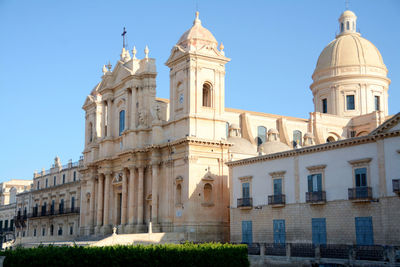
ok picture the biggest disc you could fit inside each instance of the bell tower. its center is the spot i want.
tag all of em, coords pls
(197, 83)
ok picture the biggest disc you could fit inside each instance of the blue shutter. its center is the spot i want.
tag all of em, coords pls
(247, 232)
(245, 190)
(361, 177)
(279, 232)
(364, 231)
(277, 186)
(310, 183)
(318, 231)
(121, 121)
(319, 182)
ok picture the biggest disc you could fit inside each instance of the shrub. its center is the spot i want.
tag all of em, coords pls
(188, 254)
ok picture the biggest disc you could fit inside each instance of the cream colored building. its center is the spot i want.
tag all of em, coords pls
(163, 160)
(49, 211)
(8, 193)
(345, 192)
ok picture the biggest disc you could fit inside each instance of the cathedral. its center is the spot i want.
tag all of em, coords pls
(148, 159)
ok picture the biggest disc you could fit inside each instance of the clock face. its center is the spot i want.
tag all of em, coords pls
(181, 98)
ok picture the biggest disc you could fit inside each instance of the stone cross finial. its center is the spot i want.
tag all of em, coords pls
(146, 52)
(134, 52)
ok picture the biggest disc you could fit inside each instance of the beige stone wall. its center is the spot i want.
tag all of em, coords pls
(340, 221)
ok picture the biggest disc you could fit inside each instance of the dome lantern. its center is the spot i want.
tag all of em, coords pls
(347, 22)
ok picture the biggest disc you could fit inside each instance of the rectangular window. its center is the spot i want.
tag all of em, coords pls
(74, 176)
(361, 177)
(324, 105)
(59, 230)
(47, 182)
(6, 224)
(350, 102)
(247, 232)
(364, 231)
(278, 186)
(34, 232)
(318, 231)
(38, 185)
(71, 230)
(72, 203)
(377, 103)
(54, 180)
(43, 231)
(12, 225)
(63, 180)
(245, 190)
(1, 225)
(121, 121)
(279, 232)
(315, 182)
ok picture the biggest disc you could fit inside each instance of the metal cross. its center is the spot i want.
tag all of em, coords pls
(123, 37)
(347, 4)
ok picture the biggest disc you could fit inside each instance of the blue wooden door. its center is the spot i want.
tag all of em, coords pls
(318, 231)
(247, 232)
(279, 232)
(364, 231)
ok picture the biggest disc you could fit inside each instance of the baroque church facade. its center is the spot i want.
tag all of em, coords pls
(163, 161)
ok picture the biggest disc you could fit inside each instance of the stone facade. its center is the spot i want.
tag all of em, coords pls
(50, 210)
(151, 159)
(340, 201)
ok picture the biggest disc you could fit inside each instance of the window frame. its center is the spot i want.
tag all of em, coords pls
(121, 121)
(316, 170)
(347, 102)
(358, 164)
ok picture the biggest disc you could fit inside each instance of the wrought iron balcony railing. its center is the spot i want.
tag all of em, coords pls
(54, 212)
(316, 197)
(245, 202)
(360, 193)
(277, 199)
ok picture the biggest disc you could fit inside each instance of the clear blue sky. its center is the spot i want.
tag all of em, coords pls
(52, 52)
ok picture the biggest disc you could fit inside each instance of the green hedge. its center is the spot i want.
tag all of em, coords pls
(209, 254)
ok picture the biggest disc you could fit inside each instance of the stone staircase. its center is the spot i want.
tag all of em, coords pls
(144, 239)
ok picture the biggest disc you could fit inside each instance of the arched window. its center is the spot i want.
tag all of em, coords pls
(90, 132)
(341, 27)
(347, 25)
(297, 138)
(178, 197)
(206, 95)
(261, 135)
(207, 193)
(330, 139)
(51, 229)
(121, 121)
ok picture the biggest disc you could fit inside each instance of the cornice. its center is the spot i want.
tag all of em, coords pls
(346, 76)
(317, 148)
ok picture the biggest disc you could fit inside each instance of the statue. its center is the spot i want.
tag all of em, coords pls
(142, 118)
(156, 113)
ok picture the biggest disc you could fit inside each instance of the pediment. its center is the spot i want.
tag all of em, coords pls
(208, 177)
(391, 125)
(176, 53)
(119, 73)
(89, 100)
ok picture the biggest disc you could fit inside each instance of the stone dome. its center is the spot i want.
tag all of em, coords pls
(349, 52)
(197, 35)
(241, 145)
(271, 147)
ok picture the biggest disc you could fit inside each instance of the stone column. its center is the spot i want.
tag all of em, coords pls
(92, 200)
(109, 118)
(140, 208)
(106, 218)
(131, 200)
(124, 197)
(100, 201)
(154, 193)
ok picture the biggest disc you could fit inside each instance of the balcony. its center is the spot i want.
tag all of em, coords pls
(317, 197)
(277, 200)
(245, 203)
(54, 212)
(360, 194)
(396, 186)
